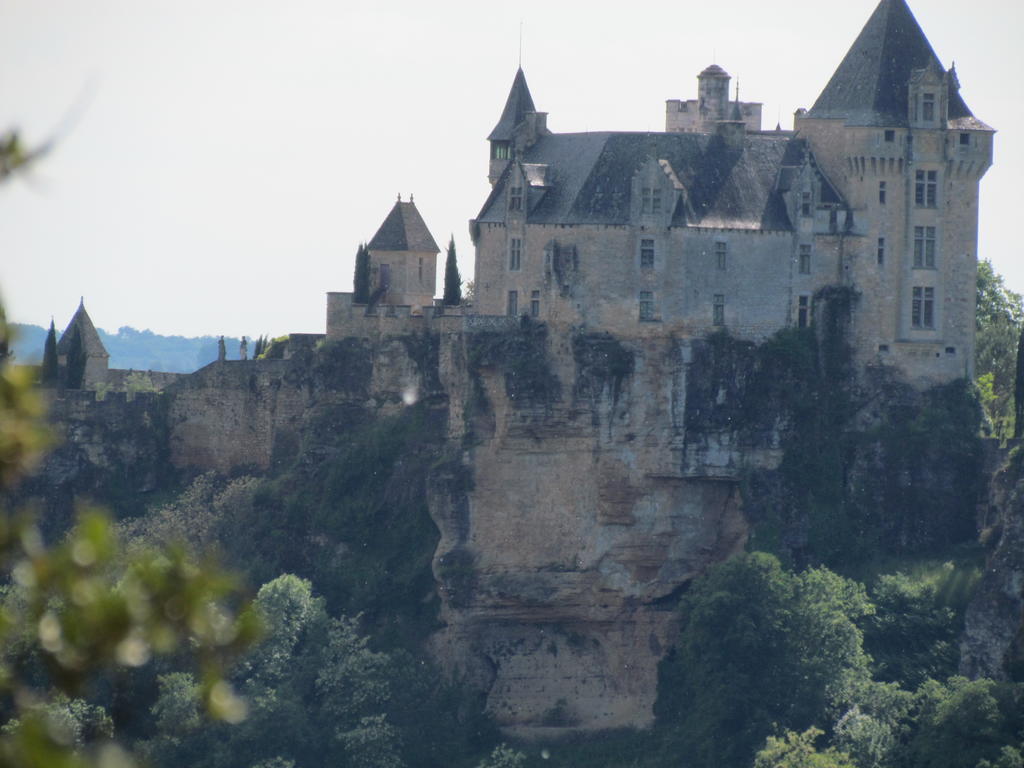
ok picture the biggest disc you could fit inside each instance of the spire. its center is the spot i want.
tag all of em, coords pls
(870, 85)
(90, 338)
(404, 230)
(519, 102)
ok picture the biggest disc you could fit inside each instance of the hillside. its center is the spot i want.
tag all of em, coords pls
(133, 349)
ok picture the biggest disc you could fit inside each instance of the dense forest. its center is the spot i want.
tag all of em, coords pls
(839, 648)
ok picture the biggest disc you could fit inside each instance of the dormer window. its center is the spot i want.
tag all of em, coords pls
(500, 150)
(515, 199)
(805, 204)
(650, 200)
(890, 136)
(927, 107)
(965, 139)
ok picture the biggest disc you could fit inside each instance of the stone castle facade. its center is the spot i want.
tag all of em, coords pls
(716, 224)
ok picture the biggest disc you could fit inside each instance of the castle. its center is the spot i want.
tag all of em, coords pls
(715, 224)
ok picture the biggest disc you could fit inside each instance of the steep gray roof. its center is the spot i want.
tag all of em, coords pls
(404, 230)
(519, 102)
(590, 178)
(870, 85)
(90, 338)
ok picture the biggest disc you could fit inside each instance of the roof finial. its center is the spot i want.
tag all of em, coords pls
(737, 90)
(81, 302)
(410, 197)
(399, 197)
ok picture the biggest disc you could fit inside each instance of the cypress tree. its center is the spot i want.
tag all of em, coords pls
(49, 373)
(1018, 390)
(76, 361)
(361, 282)
(452, 280)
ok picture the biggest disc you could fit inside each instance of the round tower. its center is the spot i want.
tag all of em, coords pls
(713, 93)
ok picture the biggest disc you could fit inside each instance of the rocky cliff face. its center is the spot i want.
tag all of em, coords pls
(579, 481)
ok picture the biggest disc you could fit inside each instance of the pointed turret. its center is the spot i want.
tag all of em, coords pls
(870, 86)
(518, 127)
(96, 356)
(403, 258)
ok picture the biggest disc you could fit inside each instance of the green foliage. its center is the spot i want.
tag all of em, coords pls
(759, 646)
(76, 361)
(797, 750)
(361, 279)
(452, 280)
(504, 756)
(999, 322)
(136, 382)
(962, 722)
(48, 377)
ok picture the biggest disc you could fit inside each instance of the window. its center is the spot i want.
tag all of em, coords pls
(803, 311)
(927, 107)
(890, 136)
(721, 249)
(965, 139)
(421, 271)
(501, 150)
(513, 303)
(515, 199)
(718, 310)
(805, 204)
(881, 251)
(385, 276)
(534, 303)
(650, 200)
(515, 254)
(922, 309)
(833, 220)
(881, 193)
(646, 305)
(924, 247)
(646, 254)
(925, 188)
(805, 259)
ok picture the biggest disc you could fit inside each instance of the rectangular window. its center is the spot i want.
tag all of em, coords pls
(881, 251)
(881, 193)
(501, 150)
(805, 259)
(965, 139)
(890, 136)
(922, 309)
(421, 271)
(833, 220)
(515, 199)
(925, 188)
(534, 303)
(646, 254)
(721, 250)
(927, 107)
(646, 305)
(805, 204)
(650, 200)
(515, 254)
(513, 303)
(924, 247)
(803, 311)
(718, 310)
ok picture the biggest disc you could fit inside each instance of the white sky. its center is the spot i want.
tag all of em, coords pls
(231, 154)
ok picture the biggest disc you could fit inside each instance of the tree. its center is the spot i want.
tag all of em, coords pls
(797, 750)
(452, 281)
(999, 318)
(1018, 390)
(76, 360)
(361, 281)
(504, 756)
(48, 378)
(760, 647)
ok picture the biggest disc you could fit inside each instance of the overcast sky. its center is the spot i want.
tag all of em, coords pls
(220, 160)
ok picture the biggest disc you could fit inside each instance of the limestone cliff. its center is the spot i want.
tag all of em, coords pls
(579, 481)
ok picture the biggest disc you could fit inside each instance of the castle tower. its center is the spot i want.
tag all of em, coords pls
(892, 132)
(97, 359)
(711, 107)
(518, 127)
(403, 259)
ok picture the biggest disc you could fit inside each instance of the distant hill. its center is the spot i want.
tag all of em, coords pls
(130, 348)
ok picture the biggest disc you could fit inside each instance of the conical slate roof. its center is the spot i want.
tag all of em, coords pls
(870, 85)
(404, 230)
(518, 104)
(90, 338)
